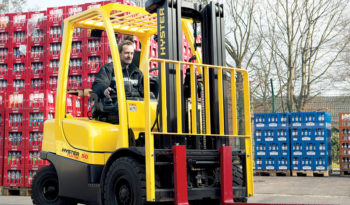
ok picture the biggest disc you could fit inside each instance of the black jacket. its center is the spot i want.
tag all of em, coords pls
(133, 81)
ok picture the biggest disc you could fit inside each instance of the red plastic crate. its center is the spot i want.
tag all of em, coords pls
(5, 39)
(5, 56)
(37, 28)
(75, 82)
(2, 103)
(93, 5)
(93, 63)
(14, 120)
(70, 104)
(41, 99)
(14, 140)
(4, 86)
(52, 66)
(36, 53)
(34, 140)
(13, 177)
(15, 100)
(32, 159)
(19, 55)
(18, 83)
(37, 69)
(54, 34)
(76, 66)
(36, 83)
(35, 118)
(30, 172)
(53, 50)
(89, 78)
(19, 21)
(55, 15)
(5, 22)
(95, 46)
(51, 82)
(14, 159)
(4, 70)
(78, 105)
(78, 33)
(87, 105)
(2, 123)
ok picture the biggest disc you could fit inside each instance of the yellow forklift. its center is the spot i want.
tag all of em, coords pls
(178, 146)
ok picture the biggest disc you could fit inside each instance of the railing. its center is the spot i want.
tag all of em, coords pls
(204, 69)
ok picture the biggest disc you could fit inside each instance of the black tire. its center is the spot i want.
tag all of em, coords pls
(125, 183)
(45, 188)
(238, 181)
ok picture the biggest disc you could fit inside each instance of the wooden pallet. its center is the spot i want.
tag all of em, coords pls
(272, 173)
(87, 92)
(76, 92)
(344, 173)
(310, 173)
(15, 191)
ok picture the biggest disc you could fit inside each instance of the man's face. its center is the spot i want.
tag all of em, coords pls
(127, 54)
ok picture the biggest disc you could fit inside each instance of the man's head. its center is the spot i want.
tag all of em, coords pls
(126, 51)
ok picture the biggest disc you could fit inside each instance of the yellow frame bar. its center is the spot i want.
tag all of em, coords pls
(193, 100)
(178, 100)
(247, 136)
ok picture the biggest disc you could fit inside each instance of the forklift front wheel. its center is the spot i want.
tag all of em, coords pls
(45, 188)
(125, 182)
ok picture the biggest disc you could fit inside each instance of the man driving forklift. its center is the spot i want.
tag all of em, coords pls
(104, 83)
(104, 86)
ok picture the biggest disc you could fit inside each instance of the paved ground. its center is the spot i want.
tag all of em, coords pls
(321, 190)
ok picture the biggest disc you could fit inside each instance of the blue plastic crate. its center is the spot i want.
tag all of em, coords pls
(270, 163)
(323, 149)
(322, 163)
(296, 149)
(309, 149)
(322, 134)
(296, 119)
(269, 135)
(295, 163)
(282, 134)
(307, 163)
(258, 135)
(283, 163)
(295, 134)
(307, 134)
(277, 120)
(260, 149)
(264, 135)
(259, 163)
(313, 119)
(260, 120)
(283, 148)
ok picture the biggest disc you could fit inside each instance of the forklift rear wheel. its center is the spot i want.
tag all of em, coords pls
(125, 183)
(45, 188)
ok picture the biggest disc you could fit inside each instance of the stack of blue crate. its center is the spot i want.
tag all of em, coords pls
(310, 141)
(272, 151)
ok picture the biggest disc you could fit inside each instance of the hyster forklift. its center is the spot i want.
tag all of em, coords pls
(181, 146)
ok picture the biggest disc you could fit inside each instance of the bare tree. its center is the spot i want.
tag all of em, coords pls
(7, 6)
(307, 38)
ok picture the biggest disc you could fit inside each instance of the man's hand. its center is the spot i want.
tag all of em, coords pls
(108, 91)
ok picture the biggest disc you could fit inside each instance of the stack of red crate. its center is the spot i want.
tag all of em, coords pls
(14, 147)
(55, 17)
(2, 133)
(36, 51)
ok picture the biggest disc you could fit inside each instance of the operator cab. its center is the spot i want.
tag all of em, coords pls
(106, 109)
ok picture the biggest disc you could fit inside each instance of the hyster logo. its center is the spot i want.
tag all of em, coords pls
(71, 153)
(162, 33)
